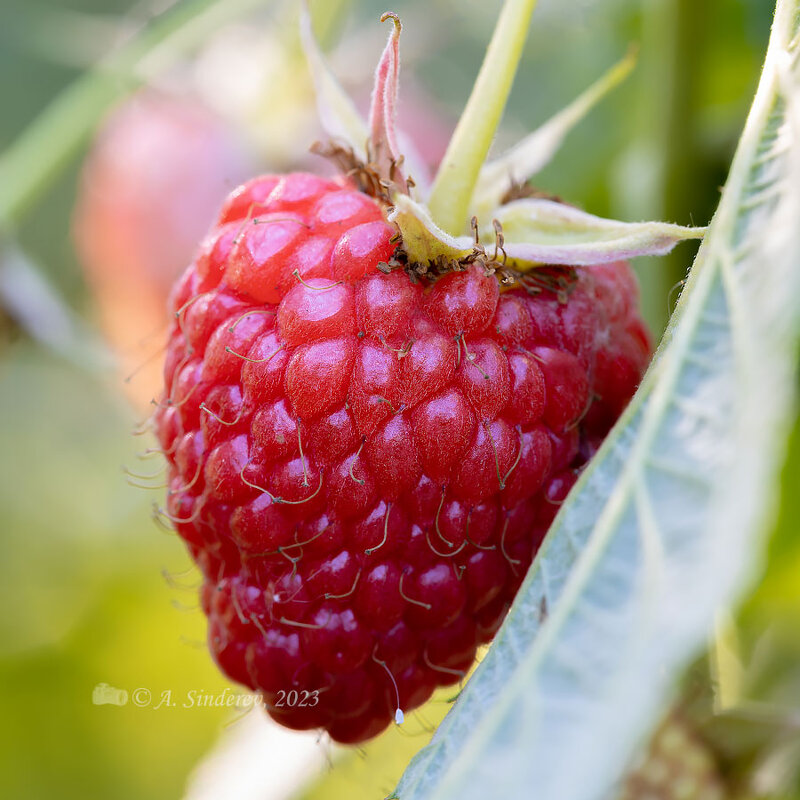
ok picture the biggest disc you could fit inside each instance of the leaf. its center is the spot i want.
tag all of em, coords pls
(46, 146)
(540, 231)
(337, 113)
(536, 150)
(36, 306)
(666, 525)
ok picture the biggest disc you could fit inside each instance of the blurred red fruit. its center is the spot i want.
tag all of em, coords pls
(149, 189)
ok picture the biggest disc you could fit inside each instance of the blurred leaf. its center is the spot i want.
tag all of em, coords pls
(337, 114)
(664, 526)
(85, 601)
(759, 736)
(38, 308)
(779, 591)
(538, 148)
(61, 508)
(52, 139)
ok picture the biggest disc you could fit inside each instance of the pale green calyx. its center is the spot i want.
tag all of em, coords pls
(455, 182)
(468, 197)
(538, 231)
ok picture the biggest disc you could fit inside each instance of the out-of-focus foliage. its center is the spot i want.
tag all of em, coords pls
(85, 602)
(80, 570)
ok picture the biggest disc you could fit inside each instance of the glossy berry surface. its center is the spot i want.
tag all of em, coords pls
(363, 466)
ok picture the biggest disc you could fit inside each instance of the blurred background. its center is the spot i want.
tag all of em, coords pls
(104, 194)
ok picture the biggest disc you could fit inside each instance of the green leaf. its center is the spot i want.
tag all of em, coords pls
(667, 524)
(36, 306)
(49, 143)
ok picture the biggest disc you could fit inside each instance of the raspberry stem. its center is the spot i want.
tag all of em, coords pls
(458, 173)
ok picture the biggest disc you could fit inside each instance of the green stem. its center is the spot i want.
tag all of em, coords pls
(458, 173)
(48, 144)
(675, 49)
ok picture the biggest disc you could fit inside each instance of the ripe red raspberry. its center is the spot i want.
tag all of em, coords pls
(361, 465)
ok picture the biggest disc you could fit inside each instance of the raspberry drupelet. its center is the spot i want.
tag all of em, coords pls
(363, 465)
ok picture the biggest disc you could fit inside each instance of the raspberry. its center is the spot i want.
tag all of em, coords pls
(364, 466)
(371, 420)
